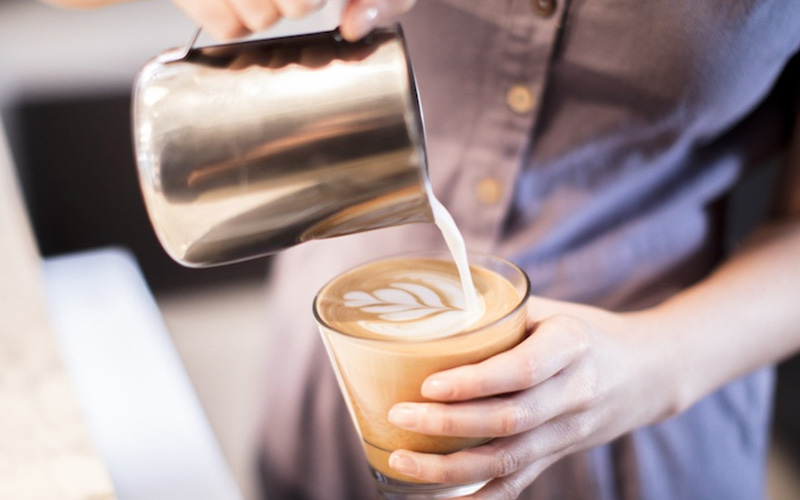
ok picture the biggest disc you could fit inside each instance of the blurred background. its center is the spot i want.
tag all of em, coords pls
(65, 95)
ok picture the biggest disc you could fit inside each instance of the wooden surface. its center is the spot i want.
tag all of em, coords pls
(45, 448)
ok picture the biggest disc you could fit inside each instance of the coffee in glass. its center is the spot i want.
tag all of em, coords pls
(389, 324)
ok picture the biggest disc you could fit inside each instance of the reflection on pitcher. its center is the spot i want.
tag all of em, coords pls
(249, 148)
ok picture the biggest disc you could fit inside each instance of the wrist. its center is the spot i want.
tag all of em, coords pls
(663, 362)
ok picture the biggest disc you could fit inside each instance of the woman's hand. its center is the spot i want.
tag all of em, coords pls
(228, 19)
(582, 378)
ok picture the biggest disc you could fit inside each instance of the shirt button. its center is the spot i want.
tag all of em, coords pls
(489, 190)
(520, 99)
(543, 8)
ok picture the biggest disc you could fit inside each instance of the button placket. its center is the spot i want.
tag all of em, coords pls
(493, 158)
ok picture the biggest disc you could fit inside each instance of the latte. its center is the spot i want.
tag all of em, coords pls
(412, 299)
(389, 324)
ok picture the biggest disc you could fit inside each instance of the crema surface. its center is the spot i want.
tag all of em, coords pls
(412, 298)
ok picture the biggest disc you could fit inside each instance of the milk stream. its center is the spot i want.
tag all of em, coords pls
(420, 301)
(458, 249)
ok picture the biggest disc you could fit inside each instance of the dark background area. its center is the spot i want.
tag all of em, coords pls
(76, 166)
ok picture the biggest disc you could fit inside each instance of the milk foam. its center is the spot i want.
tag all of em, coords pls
(416, 304)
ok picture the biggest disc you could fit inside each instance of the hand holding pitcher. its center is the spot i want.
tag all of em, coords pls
(229, 19)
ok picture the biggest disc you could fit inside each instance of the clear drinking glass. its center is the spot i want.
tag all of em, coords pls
(376, 374)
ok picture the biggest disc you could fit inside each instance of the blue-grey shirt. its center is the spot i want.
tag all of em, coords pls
(591, 141)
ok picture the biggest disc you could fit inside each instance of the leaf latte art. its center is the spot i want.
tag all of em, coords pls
(399, 302)
(410, 309)
(411, 298)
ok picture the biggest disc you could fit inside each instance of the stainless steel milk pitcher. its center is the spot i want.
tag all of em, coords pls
(249, 148)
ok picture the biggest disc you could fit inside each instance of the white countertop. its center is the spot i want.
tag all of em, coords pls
(94, 400)
(46, 451)
(140, 407)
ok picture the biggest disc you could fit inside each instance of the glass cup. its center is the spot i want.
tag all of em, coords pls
(376, 374)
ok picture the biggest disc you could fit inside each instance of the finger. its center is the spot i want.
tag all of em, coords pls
(297, 8)
(554, 344)
(362, 16)
(492, 417)
(256, 14)
(216, 17)
(498, 458)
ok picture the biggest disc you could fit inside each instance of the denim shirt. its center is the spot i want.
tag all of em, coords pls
(590, 141)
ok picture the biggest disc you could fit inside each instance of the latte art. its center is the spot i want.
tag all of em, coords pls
(428, 305)
(413, 298)
(395, 304)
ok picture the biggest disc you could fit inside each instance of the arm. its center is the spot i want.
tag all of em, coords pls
(761, 284)
(228, 19)
(586, 376)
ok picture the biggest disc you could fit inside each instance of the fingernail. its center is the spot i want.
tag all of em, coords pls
(437, 388)
(403, 415)
(360, 23)
(403, 463)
